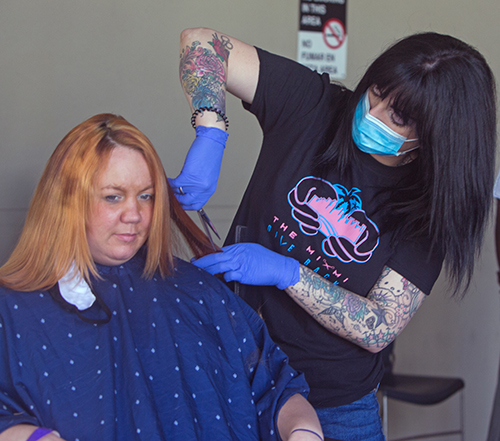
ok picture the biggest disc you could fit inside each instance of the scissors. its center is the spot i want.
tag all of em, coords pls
(206, 222)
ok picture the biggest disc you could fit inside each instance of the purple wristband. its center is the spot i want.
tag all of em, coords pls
(39, 433)
(305, 430)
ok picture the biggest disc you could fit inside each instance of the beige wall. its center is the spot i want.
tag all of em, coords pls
(63, 61)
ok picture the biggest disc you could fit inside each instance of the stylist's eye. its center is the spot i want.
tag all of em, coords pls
(399, 118)
(376, 91)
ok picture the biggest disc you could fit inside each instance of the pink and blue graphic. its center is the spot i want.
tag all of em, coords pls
(332, 210)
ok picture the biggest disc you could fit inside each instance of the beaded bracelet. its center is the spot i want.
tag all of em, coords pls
(39, 433)
(209, 109)
(307, 430)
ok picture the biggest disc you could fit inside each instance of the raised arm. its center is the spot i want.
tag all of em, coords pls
(371, 322)
(210, 63)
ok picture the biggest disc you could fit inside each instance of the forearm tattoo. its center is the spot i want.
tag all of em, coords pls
(203, 72)
(371, 322)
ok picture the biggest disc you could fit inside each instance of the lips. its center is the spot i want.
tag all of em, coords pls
(127, 237)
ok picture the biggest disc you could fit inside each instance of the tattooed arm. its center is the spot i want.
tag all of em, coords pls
(210, 64)
(372, 322)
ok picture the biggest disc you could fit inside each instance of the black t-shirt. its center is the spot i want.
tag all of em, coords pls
(299, 110)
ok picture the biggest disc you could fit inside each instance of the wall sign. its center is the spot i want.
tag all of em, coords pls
(322, 44)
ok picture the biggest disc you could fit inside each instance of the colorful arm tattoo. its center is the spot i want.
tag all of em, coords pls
(372, 322)
(203, 72)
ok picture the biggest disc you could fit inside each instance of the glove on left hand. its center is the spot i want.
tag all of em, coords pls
(252, 264)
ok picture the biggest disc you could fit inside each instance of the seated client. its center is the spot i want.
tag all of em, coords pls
(105, 335)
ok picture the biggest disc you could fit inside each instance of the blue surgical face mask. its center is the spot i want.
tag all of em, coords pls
(372, 136)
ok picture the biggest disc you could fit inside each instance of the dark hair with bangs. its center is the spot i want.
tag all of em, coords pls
(446, 87)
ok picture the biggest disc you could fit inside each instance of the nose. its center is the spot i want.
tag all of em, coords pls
(377, 106)
(380, 109)
(131, 213)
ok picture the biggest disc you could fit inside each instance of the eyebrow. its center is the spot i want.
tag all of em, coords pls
(115, 187)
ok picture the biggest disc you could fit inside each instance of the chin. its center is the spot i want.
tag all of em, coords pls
(117, 258)
(123, 259)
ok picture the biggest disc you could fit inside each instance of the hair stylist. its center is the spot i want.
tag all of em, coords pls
(356, 199)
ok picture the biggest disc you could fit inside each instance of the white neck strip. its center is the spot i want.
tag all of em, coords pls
(75, 290)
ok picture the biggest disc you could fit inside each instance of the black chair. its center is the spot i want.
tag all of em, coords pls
(417, 389)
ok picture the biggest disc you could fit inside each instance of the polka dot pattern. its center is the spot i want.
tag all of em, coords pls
(178, 355)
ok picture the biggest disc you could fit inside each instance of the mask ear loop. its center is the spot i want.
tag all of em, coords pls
(411, 150)
(408, 151)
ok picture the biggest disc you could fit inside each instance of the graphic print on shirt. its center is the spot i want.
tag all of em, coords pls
(330, 209)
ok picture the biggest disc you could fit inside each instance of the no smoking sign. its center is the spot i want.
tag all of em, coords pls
(334, 33)
(322, 43)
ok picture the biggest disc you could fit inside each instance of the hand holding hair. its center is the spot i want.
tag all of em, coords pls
(252, 264)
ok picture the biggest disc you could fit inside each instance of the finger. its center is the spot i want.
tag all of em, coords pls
(211, 259)
(206, 261)
(233, 276)
(217, 263)
(235, 248)
(175, 185)
(187, 201)
(221, 267)
(183, 186)
(195, 206)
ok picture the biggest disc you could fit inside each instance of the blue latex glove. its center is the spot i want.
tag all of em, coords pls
(252, 264)
(201, 169)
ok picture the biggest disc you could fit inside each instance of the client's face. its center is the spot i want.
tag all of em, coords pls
(122, 208)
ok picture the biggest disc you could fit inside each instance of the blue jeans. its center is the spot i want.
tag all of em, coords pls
(358, 421)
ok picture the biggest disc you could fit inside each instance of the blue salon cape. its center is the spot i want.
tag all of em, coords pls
(182, 358)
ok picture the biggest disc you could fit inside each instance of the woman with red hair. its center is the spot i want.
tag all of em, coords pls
(105, 334)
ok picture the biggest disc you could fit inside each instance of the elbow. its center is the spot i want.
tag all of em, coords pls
(375, 350)
(380, 347)
(192, 34)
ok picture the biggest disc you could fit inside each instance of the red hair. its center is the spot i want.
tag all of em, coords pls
(54, 234)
